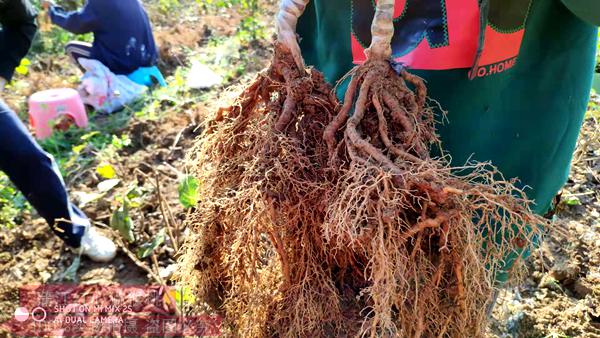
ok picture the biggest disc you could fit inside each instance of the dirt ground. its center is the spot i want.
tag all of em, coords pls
(561, 293)
(31, 254)
(560, 296)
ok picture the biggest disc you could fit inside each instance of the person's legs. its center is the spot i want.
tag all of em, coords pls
(34, 173)
(77, 49)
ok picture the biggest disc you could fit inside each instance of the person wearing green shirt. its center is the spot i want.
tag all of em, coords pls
(513, 75)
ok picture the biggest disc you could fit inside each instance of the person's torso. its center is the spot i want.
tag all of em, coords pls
(124, 39)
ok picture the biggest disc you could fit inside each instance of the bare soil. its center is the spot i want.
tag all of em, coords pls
(561, 294)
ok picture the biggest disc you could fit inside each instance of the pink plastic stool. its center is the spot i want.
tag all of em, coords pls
(48, 105)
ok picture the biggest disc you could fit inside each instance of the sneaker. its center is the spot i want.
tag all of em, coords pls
(97, 247)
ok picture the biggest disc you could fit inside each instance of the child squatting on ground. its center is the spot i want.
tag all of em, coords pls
(123, 39)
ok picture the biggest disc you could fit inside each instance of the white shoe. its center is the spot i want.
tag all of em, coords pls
(97, 247)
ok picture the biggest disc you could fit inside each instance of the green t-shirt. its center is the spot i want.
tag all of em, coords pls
(525, 105)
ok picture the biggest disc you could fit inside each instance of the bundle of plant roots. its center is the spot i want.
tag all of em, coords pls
(258, 257)
(320, 219)
(420, 242)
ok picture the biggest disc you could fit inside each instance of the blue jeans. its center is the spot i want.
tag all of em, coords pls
(35, 173)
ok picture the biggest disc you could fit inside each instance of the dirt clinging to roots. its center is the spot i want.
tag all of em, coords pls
(319, 219)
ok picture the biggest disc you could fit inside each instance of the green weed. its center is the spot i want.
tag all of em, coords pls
(12, 203)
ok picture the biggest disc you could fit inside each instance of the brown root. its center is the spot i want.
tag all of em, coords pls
(258, 246)
(414, 228)
(363, 234)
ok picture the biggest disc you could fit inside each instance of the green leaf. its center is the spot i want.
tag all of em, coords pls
(121, 221)
(120, 143)
(89, 135)
(107, 185)
(184, 295)
(22, 70)
(79, 148)
(134, 192)
(146, 249)
(134, 196)
(106, 170)
(179, 79)
(572, 200)
(188, 191)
